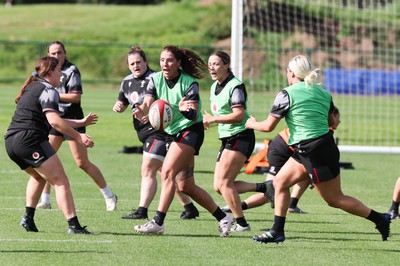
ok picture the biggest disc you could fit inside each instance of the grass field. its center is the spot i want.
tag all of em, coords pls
(324, 236)
(98, 45)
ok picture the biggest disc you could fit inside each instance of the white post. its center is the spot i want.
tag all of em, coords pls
(237, 38)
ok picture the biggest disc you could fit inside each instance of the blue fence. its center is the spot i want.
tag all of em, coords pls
(362, 81)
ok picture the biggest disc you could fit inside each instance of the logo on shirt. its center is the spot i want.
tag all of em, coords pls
(63, 80)
(215, 107)
(142, 83)
(134, 97)
(35, 155)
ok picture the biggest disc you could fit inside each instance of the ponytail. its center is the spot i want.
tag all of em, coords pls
(43, 68)
(304, 70)
(28, 81)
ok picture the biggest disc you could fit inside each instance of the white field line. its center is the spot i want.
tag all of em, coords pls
(23, 209)
(56, 241)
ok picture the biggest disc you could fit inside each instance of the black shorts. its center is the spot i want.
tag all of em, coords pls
(192, 136)
(28, 148)
(243, 142)
(156, 146)
(278, 154)
(145, 131)
(320, 157)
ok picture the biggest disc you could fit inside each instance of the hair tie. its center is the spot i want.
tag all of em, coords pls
(34, 74)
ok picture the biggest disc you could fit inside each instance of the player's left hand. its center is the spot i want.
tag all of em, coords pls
(207, 120)
(138, 112)
(184, 105)
(90, 119)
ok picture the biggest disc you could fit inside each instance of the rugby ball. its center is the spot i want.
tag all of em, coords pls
(160, 114)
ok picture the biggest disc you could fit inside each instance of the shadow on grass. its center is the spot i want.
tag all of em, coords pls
(271, 219)
(321, 239)
(216, 235)
(53, 251)
(203, 172)
(173, 215)
(312, 236)
(133, 233)
(318, 237)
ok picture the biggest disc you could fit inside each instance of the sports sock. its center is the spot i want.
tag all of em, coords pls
(29, 212)
(375, 217)
(74, 222)
(142, 210)
(106, 192)
(395, 206)
(159, 217)
(219, 214)
(242, 221)
(45, 197)
(261, 187)
(293, 203)
(244, 205)
(190, 207)
(279, 224)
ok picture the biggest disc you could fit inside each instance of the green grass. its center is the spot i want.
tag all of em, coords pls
(324, 236)
(104, 34)
(98, 44)
(73, 22)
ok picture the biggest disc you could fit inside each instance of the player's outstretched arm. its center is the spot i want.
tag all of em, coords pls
(267, 125)
(88, 120)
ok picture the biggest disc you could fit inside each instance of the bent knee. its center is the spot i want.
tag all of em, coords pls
(83, 164)
(332, 203)
(167, 175)
(184, 190)
(61, 183)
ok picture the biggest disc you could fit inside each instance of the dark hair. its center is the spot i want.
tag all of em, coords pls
(43, 67)
(56, 42)
(137, 50)
(225, 58)
(335, 111)
(191, 63)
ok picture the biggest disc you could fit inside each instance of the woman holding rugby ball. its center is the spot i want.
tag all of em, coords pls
(176, 83)
(155, 142)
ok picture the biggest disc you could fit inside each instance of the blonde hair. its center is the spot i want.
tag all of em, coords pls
(304, 70)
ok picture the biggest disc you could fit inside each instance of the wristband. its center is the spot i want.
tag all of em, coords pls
(191, 114)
